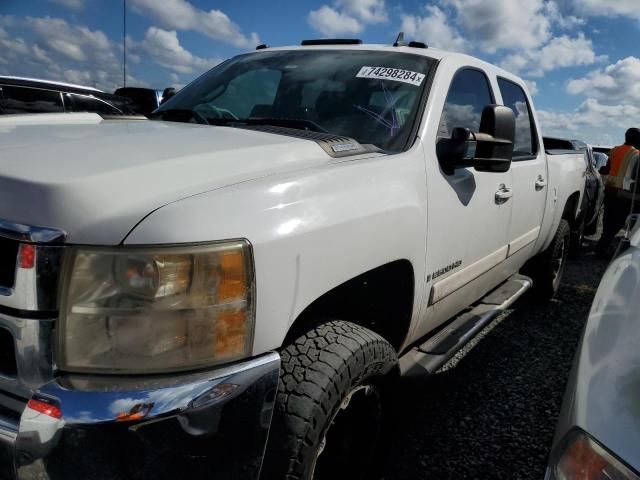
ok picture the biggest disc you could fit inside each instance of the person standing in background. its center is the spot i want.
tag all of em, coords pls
(617, 198)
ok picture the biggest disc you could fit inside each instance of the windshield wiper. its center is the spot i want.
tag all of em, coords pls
(179, 115)
(297, 123)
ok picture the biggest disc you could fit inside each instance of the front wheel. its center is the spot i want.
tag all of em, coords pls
(328, 420)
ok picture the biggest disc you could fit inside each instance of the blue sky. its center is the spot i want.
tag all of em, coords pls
(580, 57)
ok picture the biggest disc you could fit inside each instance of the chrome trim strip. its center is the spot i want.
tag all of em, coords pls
(36, 289)
(459, 279)
(33, 349)
(522, 241)
(31, 234)
(8, 431)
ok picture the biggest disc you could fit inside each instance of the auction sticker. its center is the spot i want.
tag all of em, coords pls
(395, 74)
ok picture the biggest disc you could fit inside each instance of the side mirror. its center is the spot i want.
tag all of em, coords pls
(167, 94)
(489, 150)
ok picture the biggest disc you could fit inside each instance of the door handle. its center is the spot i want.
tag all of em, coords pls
(540, 183)
(503, 194)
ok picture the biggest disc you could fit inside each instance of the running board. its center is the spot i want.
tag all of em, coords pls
(429, 356)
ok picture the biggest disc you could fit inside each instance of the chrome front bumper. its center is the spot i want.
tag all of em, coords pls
(212, 424)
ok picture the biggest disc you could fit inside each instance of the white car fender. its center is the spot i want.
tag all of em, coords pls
(311, 230)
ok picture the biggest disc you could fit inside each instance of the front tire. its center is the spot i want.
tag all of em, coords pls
(328, 420)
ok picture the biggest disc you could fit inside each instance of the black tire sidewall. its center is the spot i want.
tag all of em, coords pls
(319, 369)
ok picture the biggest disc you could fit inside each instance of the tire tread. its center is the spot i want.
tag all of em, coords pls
(317, 370)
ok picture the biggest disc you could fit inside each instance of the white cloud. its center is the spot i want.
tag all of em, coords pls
(72, 4)
(57, 50)
(565, 22)
(330, 22)
(434, 29)
(77, 43)
(589, 119)
(164, 48)
(347, 17)
(503, 24)
(532, 86)
(608, 9)
(61, 51)
(182, 15)
(618, 82)
(560, 52)
(368, 11)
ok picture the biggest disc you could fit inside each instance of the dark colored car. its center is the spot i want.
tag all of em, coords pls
(593, 198)
(145, 100)
(27, 95)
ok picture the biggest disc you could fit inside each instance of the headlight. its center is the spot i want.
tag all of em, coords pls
(581, 458)
(155, 309)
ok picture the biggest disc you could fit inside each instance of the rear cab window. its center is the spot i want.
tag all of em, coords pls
(525, 145)
(15, 100)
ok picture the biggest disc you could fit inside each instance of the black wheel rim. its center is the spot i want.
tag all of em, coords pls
(349, 444)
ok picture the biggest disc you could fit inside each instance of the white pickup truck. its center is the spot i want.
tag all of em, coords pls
(230, 288)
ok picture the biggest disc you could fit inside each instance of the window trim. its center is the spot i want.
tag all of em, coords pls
(453, 78)
(532, 122)
(99, 100)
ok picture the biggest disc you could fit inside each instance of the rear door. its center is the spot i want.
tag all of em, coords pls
(529, 170)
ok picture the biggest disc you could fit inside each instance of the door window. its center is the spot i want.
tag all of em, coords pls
(525, 144)
(468, 95)
(29, 100)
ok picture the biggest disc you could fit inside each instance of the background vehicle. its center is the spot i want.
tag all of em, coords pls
(601, 149)
(593, 198)
(27, 95)
(297, 227)
(145, 100)
(598, 432)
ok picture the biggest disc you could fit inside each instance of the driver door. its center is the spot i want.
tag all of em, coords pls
(469, 212)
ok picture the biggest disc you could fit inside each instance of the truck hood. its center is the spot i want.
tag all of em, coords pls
(96, 179)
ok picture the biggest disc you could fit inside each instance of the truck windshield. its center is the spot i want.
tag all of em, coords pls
(370, 96)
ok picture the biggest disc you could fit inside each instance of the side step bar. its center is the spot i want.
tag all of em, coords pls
(429, 356)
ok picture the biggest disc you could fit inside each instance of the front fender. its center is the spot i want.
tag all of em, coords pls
(311, 230)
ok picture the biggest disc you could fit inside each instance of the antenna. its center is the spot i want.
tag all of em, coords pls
(124, 43)
(400, 40)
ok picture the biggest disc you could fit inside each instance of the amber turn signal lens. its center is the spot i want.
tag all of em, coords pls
(233, 282)
(584, 459)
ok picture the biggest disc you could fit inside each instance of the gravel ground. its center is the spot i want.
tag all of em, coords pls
(491, 413)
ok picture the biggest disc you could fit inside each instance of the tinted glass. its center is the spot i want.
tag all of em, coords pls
(29, 100)
(468, 95)
(370, 96)
(142, 100)
(83, 103)
(513, 96)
